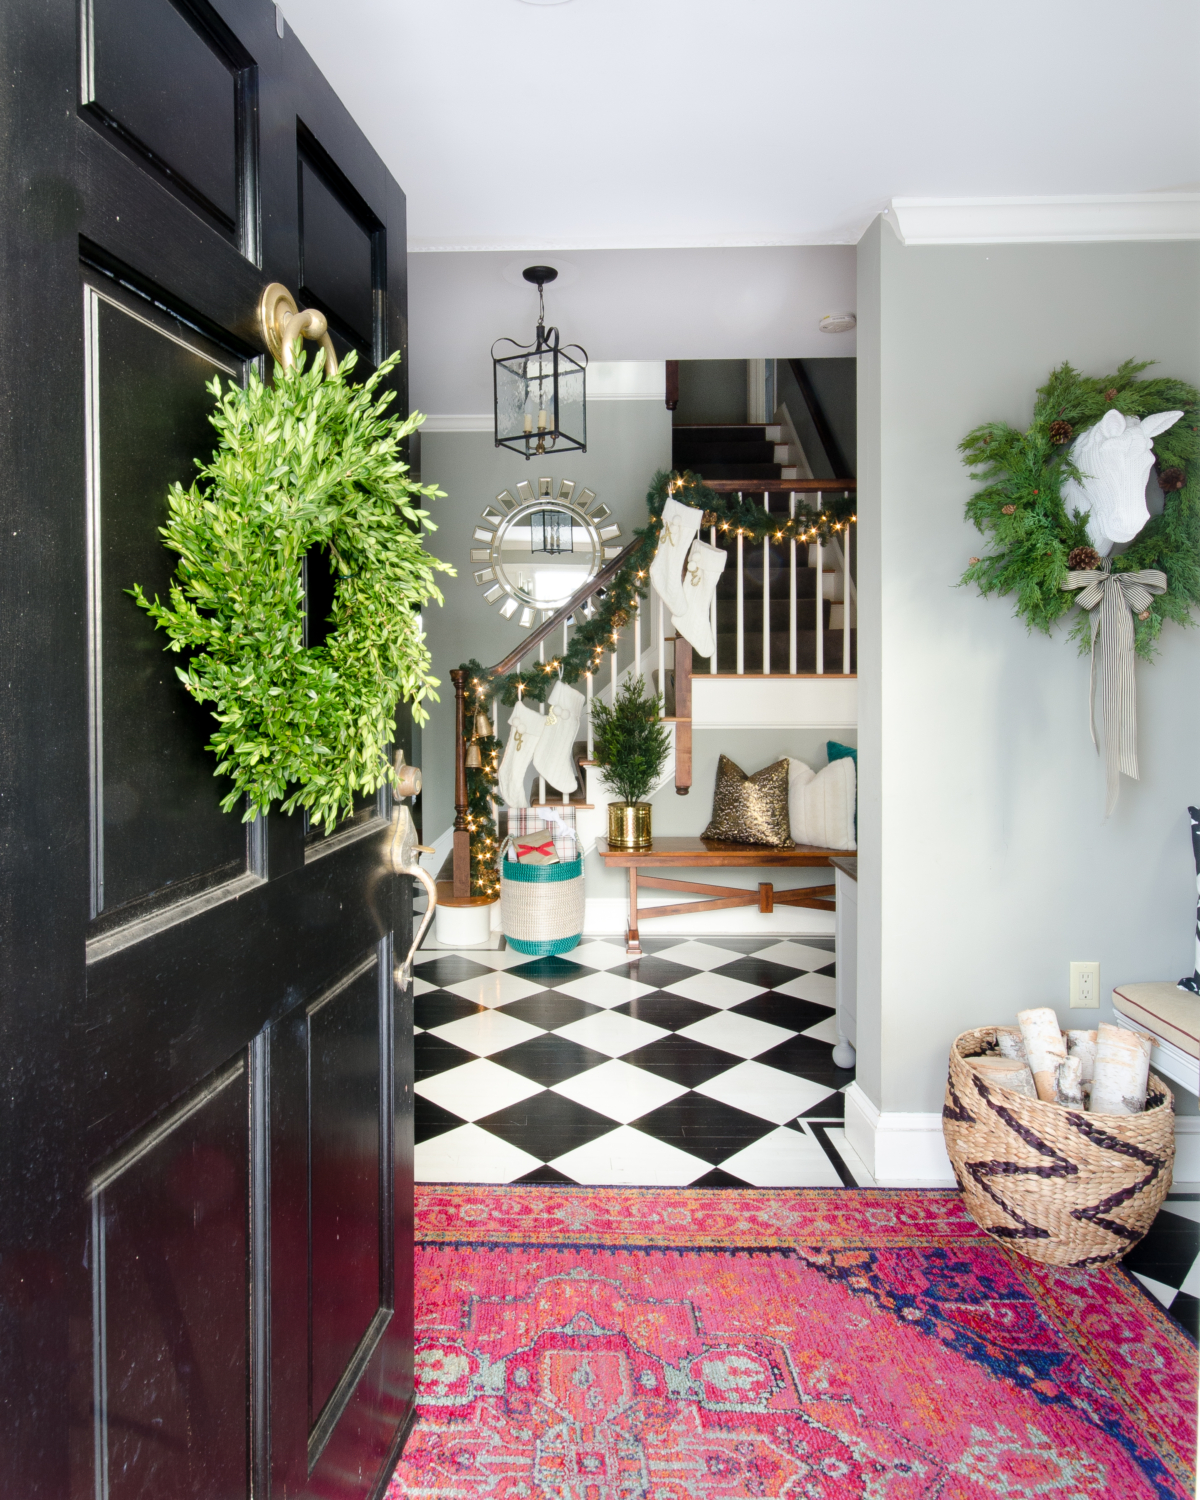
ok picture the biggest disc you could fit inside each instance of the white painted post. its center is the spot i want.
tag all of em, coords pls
(766, 624)
(741, 612)
(712, 661)
(542, 710)
(792, 592)
(846, 600)
(591, 745)
(662, 655)
(637, 638)
(820, 608)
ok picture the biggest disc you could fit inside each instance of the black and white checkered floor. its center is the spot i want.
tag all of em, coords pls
(703, 1063)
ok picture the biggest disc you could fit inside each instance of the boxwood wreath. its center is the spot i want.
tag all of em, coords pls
(1035, 542)
(595, 634)
(308, 461)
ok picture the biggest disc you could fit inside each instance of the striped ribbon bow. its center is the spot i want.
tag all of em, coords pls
(1114, 598)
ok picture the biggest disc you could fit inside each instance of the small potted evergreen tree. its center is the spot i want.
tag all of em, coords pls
(631, 747)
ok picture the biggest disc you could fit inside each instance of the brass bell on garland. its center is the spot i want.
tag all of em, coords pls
(483, 729)
(474, 761)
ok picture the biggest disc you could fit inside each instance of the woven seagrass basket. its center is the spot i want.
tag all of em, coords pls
(541, 906)
(1058, 1185)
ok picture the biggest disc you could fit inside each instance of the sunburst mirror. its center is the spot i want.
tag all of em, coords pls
(533, 550)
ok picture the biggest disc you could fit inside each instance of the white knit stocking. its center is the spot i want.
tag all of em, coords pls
(552, 757)
(680, 523)
(694, 621)
(524, 728)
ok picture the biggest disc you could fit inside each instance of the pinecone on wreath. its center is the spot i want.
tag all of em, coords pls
(1061, 432)
(1171, 479)
(1083, 559)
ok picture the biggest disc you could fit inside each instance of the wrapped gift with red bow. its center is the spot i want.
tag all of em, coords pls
(530, 852)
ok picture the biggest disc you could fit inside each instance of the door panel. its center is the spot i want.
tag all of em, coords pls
(206, 1159)
(156, 822)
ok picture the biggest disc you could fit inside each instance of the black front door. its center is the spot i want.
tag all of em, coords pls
(205, 1202)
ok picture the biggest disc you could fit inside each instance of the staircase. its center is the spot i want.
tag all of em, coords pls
(746, 452)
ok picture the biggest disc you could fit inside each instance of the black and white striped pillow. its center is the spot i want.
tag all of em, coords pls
(1192, 981)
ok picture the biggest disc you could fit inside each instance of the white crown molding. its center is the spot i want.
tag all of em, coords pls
(1067, 220)
(459, 422)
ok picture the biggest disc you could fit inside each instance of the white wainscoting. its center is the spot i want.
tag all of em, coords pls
(606, 915)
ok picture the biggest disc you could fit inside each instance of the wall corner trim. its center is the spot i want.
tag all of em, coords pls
(1067, 220)
(458, 422)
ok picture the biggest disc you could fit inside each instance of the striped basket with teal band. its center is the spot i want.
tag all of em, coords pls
(541, 906)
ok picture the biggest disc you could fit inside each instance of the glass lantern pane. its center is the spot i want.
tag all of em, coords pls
(511, 394)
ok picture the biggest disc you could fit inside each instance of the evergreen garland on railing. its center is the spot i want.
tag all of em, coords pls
(597, 633)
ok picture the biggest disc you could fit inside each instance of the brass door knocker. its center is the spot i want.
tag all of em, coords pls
(283, 324)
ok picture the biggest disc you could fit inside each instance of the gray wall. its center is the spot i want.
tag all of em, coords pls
(987, 864)
(627, 442)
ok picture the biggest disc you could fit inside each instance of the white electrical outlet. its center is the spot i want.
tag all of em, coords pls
(1085, 986)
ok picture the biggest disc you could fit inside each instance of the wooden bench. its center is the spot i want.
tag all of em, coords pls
(678, 853)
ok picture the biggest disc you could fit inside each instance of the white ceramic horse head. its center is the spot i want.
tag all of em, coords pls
(1115, 458)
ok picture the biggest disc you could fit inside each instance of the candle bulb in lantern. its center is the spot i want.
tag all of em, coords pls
(528, 422)
(541, 421)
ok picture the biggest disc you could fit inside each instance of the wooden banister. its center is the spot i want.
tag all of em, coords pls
(778, 486)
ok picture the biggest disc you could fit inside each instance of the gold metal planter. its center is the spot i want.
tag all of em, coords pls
(629, 825)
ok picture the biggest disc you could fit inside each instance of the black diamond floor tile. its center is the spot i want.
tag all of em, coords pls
(449, 968)
(719, 1178)
(830, 969)
(654, 969)
(821, 1136)
(549, 1009)
(438, 1007)
(551, 971)
(549, 1059)
(546, 1174)
(432, 1054)
(831, 1108)
(547, 1125)
(1169, 1249)
(781, 1010)
(805, 1057)
(704, 1127)
(432, 1119)
(1185, 1309)
(681, 1060)
(765, 973)
(670, 1011)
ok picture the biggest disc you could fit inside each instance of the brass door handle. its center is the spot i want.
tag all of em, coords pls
(282, 324)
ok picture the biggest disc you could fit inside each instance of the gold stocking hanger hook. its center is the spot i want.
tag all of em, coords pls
(282, 324)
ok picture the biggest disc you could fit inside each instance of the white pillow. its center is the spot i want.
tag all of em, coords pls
(821, 804)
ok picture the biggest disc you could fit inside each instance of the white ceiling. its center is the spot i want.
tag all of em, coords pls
(667, 123)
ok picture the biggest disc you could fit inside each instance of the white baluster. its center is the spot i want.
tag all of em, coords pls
(637, 637)
(820, 602)
(662, 655)
(712, 663)
(741, 634)
(541, 781)
(591, 755)
(766, 630)
(612, 657)
(846, 599)
(792, 591)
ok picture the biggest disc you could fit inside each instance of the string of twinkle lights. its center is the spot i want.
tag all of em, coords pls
(596, 633)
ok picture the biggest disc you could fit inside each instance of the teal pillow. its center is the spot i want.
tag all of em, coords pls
(834, 751)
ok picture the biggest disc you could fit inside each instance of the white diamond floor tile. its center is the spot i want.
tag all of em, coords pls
(477, 1088)
(1184, 1210)
(1159, 1290)
(607, 990)
(824, 1031)
(797, 955)
(785, 1158)
(627, 1157)
(699, 955)
(422, 987)
(819, 988)
(766, 1092)
(598, 955)
(854, 1163)
(619, 1091)
(611, 1034)
(469, 1154)
(713, 989)
(485, 1032)
(741, 1035)
(498, 958)
(1191, 1282)
(494, 989)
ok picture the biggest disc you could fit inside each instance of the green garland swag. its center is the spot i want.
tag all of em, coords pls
(308, 461)
(1031, 533)
(594, 635)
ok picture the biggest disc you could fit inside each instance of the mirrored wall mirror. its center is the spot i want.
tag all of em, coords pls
(534, 549)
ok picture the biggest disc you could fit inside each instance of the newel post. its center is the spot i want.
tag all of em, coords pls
(462, 836)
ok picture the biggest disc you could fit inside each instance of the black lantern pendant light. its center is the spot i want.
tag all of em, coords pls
(540, 392)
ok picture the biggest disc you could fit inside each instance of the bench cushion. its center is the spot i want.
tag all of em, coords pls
(1163, 1009)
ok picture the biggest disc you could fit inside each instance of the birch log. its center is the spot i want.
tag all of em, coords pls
(1082, 1044)
(1122, 1067)
(1068, 1078)
(1008, 1072)
(1045, 1048)
(1008, 1039)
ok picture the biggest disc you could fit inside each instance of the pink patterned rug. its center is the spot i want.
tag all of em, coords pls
(716, 1344)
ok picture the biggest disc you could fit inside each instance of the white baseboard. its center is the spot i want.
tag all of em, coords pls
(606, 915)
(899, 1147)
